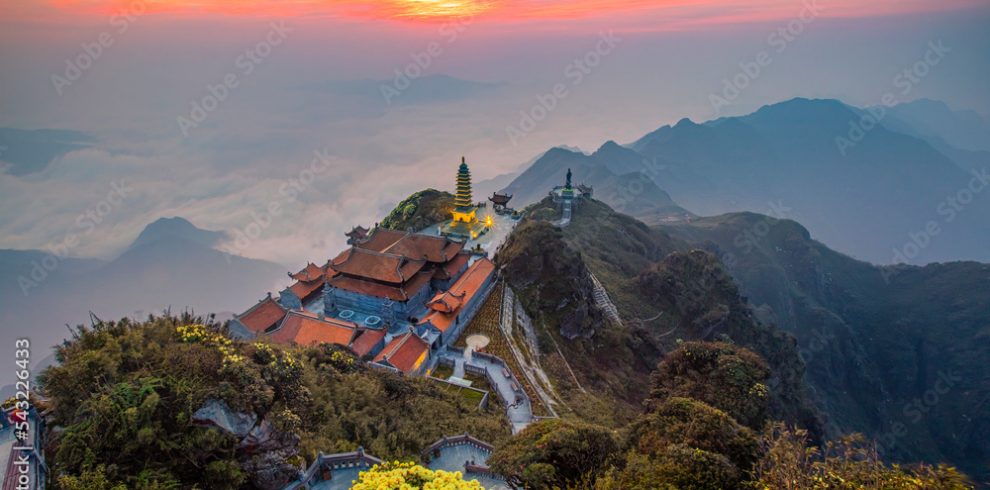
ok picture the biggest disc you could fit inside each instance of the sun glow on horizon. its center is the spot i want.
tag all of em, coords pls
(620, 14)
(432, 9)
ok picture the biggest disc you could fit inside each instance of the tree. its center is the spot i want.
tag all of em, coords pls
(694, 424)
(409, 476)
(850, 463)
(678, 467)
(554, 452)
(725, 376)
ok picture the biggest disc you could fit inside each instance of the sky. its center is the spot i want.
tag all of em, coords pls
(213, 110)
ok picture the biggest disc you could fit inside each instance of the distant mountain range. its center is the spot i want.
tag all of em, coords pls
(618, 175)
(171, 264)
(933, 120)
(887, 196)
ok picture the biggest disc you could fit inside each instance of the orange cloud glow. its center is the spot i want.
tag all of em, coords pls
(657, 13)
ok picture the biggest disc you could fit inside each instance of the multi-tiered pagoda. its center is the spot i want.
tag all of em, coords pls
(464, 221)
(464, 209)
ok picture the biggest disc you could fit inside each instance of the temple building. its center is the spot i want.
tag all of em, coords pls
(500, 202)
(384, 280)
(451, 310)
(263, 317)
(464, 223)
(357, 235)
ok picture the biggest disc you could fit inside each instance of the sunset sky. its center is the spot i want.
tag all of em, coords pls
(310, 75)
(633, 13)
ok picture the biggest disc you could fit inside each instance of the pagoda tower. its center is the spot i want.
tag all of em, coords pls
(464, 208)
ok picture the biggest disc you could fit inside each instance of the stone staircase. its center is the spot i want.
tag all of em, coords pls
(603, 301)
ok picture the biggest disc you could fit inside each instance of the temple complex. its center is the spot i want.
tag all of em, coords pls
(396, 298)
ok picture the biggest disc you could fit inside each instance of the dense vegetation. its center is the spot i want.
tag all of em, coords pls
(685, 443)
(124, 394)
(420, 210)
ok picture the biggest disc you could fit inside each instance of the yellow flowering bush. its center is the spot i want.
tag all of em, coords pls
(199, 334)
(409, 476)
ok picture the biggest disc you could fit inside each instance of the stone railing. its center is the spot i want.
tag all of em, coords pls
(325, 464)
(450, 441)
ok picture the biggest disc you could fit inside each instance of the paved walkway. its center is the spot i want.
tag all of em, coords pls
(532, 370)
(453, 458)
(520, 413)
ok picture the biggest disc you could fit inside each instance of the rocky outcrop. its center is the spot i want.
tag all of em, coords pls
(268, 452)
(551, 279)
(215, 413)
(264, 451)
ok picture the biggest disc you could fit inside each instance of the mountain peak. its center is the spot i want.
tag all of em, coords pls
(802, 105)
(177, 228)
(611, 148)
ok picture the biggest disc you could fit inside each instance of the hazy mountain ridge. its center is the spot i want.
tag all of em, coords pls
(616, 174)
(43, 293)
(875, 339)
(878, 194)
(935, 120)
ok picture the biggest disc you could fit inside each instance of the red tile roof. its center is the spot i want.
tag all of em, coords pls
(306, 328)
(311, 272)
(435, 249)
(451, 268)
(366, 341)
(447, 305)
(405, 352)
(446, 302)
(303, 290)
(262, 316)
(378, 290)
(377, 266)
